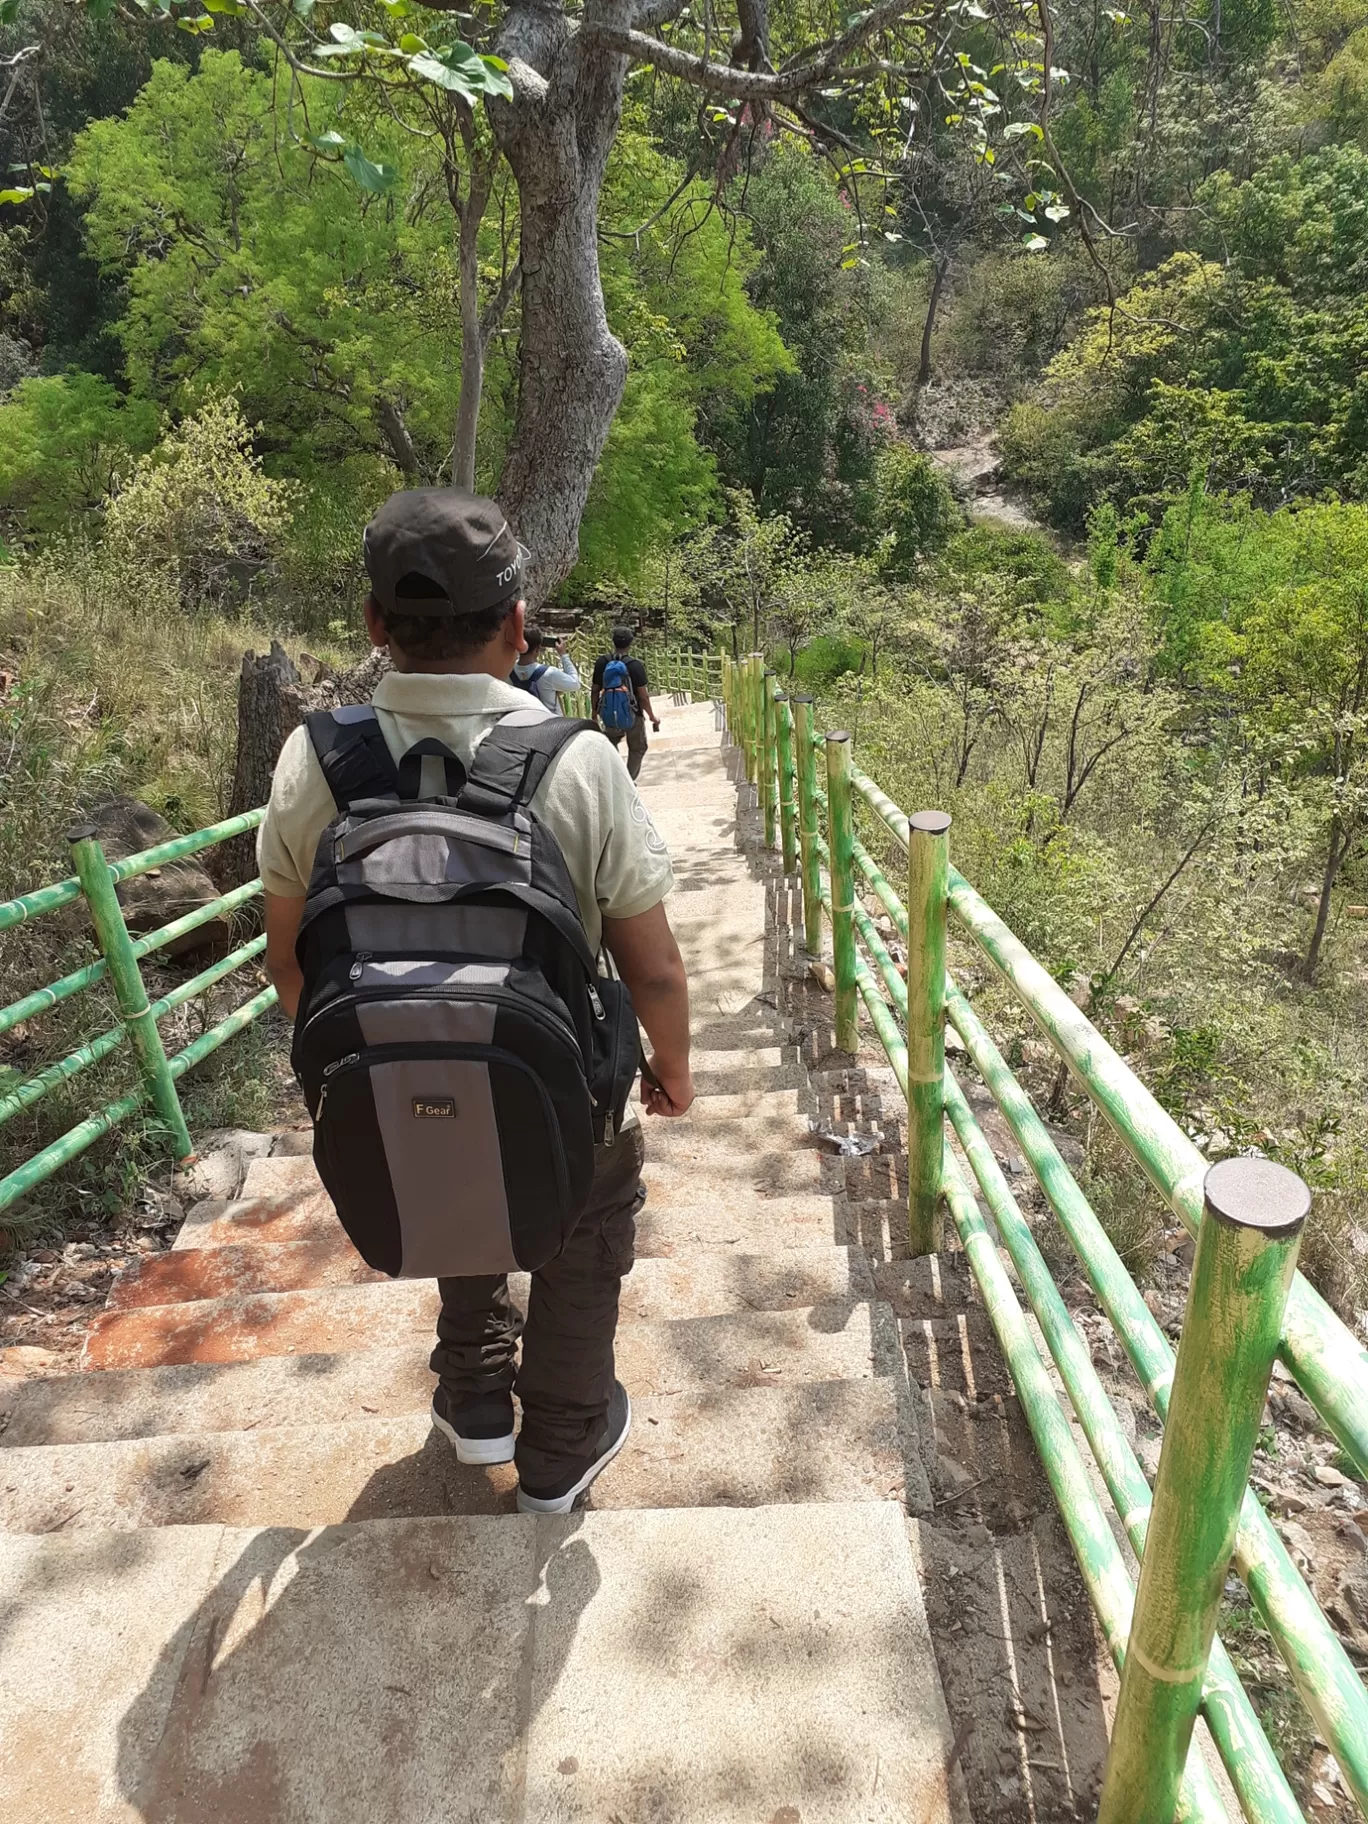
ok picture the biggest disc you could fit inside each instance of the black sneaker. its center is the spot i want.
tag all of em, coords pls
(560, 1496)
(481, 1428)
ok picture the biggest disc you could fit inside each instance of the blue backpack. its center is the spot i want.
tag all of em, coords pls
(531, 681)
(617, 704)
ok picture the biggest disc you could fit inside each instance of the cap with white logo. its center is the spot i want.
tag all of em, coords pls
(441, 551)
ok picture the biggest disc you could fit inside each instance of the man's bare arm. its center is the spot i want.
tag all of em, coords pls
(282, 928)
(644, 700)
(648, 960)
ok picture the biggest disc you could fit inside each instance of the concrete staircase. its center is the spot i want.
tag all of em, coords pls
(242, 1579)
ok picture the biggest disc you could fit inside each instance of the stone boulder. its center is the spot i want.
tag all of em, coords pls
(125, 826)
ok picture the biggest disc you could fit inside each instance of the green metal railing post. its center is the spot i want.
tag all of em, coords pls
(751, 700)
(1242, 1271)
(788, 809)
(769, 794)
(928, 863)
(841, 840)
(807, 827)
(106, 914)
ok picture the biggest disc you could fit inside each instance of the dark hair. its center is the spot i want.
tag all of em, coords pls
(535, 638)
(622, 638)
(442, 636)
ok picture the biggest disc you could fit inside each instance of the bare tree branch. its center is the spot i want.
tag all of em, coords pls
(746, 85)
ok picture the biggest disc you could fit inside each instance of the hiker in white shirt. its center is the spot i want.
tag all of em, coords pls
(545, 681)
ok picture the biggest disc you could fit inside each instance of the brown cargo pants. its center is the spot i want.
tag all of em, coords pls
(566, 1375)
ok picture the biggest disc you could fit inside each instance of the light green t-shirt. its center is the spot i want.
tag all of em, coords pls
(617, 859)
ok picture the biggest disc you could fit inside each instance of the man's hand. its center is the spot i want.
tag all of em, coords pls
(655, 723)
(665, 1092)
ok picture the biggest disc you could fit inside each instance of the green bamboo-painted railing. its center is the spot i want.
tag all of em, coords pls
(693, 673)
(95, 880)
(1245, 1303)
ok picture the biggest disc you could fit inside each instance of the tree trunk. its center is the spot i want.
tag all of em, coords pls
(557, 134)
(1341, 841)
(928, 327)
(472, 331)
(396, 435)
(272, 702)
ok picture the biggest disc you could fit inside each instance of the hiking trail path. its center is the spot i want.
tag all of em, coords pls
(242, 1579)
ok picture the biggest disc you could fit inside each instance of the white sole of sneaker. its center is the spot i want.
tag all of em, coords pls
(562, 1504)
(482, 1451)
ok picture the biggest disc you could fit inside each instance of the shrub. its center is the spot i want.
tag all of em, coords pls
(915, 509)
(199, 508)
(65, 440)
(832, 656)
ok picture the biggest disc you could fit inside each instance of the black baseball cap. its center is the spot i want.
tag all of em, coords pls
(457, 543)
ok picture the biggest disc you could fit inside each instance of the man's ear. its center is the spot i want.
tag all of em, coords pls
(375, 622)
(515, 628)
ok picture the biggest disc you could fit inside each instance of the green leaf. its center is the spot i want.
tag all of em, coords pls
(349, 39)
(9, 11)
(231, 7)
(397, 9)
(1018, 127)
(202, 23)
(16, 196)
(1057, 212)
(374, 178)
(303, 8)
(1034, 243)
(432, 69)
(474, 74)
(412, 44)
(327, 142)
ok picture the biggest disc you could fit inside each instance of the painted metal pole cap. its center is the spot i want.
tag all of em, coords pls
(930, 823)
(1256, 1194)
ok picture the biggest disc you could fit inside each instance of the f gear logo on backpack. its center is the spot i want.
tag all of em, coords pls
(460, 1053)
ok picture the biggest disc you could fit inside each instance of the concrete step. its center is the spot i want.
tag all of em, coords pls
(728, 1163)
(742, 1221)
(725, 1447)
(742, 1349)
(767, 1067)
(391, 1313)
(670, 1666)
(222, 1258)
(239, 1268)
(775, 1153)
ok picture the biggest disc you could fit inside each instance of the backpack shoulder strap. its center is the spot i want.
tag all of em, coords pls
(511, 762)
(353, 754)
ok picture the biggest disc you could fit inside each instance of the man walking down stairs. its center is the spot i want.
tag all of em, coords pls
(242, 1579)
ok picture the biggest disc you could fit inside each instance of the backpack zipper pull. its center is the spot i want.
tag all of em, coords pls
(596, 1003)
(337, 1063)
(358, 968)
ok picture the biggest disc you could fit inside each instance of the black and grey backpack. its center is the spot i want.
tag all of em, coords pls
(459, 1050)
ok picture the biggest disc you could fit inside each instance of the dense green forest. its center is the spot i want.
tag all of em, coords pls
(259, 266)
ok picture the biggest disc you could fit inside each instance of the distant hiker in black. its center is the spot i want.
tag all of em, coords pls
(621, 702)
